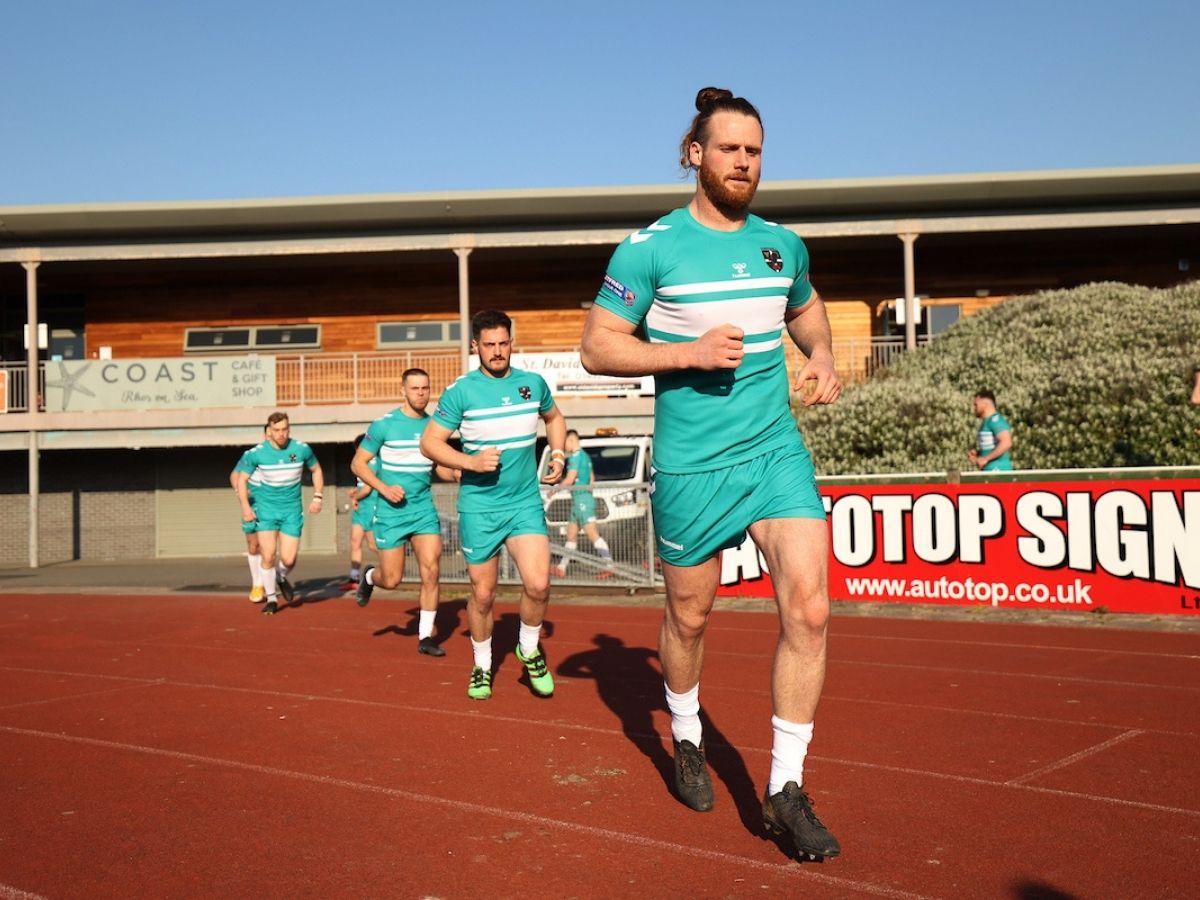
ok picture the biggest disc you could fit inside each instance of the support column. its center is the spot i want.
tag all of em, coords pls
(464, 307)
(910, 291)
(32, 406)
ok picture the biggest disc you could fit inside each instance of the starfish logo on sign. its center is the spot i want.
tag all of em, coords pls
(69, 383)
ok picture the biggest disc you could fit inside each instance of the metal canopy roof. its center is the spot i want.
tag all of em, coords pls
(545, 209)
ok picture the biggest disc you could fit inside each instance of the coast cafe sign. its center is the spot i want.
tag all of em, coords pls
(170, 383)
(1122, 546)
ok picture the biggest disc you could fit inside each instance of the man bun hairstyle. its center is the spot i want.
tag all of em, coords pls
(711, 100)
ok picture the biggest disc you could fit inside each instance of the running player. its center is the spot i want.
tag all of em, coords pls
(714, 289)
(583, 505)
(362, 521)
(496, 409)
(278, 512)
(253, 557)
(404, 510)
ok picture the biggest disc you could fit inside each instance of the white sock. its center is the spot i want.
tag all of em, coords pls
(601, 546)
(528, 639)
(370, 576)
(685, 714)
(284, 571)
(255, 561)
(483, 653)
(787, 753)
(425, 627)
(268, 582)
(355, 573)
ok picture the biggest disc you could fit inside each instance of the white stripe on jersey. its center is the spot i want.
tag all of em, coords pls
(526, 442)
(281, 474)
(723, 287)
(754, 315)
(500, 428)
(497, 410)
(403, 456)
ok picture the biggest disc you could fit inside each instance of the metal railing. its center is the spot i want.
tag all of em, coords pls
(316, 379)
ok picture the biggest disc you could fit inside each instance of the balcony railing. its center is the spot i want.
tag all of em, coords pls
(317, 379)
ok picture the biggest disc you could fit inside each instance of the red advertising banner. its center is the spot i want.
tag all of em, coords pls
(1117, 545)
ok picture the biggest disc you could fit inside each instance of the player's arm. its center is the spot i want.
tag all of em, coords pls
(556, 436)
(361, 467)
(243, 491)
(611, 347)
(318, 480)
(435, 446)
(233, 479)
(445, 473)
(808, 326)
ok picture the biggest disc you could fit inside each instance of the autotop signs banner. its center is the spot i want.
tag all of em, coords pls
(1124, 546)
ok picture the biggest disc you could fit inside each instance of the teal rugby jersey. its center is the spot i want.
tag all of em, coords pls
(279, 471)
(988, 437)
(395, 439)
(677, 279)
(359, 484)
(497, 412)
(580, 462)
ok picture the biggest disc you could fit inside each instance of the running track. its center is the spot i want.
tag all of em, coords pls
(186, 746)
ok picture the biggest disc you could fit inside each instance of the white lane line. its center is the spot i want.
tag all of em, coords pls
(654, 737)
(787, 870)
(65, 697)
(1075, 757)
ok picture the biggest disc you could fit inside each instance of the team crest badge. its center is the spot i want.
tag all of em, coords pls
(292, 458)
(525, 392)
(773, 258)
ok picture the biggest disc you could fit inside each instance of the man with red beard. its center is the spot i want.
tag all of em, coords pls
(701, 300)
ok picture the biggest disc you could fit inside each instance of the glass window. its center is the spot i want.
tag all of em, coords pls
(411, 334)
(216, 339)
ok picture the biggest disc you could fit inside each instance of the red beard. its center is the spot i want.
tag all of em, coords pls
(731, 197)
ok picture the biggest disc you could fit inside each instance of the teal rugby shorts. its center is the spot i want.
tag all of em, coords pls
(484, 533)
(365, 514)
(286, 521)
(583, 507)
(396, 523)
(699, 514)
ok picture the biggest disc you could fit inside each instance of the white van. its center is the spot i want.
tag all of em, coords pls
(620, 473)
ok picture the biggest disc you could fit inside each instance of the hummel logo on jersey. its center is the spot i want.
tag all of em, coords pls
(773, 257)
(671, 544)
(506, 401)
(739, 270)
(638, 236)
(525, 392)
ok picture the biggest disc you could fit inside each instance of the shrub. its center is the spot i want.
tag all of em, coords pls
(1095, 376)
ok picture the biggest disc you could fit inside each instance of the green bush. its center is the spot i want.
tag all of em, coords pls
(1095, 376)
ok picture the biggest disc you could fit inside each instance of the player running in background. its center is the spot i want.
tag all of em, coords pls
(702, 300)
(253, 557)
(583, 504)
(404, 511)
(496, 410)
(278, 513)
(362, 520)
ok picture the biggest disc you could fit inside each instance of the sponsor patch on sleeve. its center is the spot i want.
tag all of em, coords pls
(615, 287)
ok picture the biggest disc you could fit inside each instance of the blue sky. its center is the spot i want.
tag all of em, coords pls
(135, 100)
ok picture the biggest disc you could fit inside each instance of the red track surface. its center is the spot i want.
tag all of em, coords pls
(188, 746)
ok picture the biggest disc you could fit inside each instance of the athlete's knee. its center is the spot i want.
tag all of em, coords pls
(688, 618)
(538, 590)
(805, 615)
